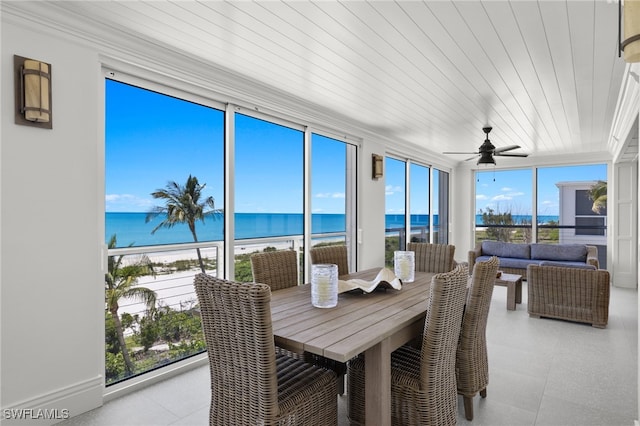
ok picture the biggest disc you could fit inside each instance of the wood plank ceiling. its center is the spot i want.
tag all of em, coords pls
(430, 74)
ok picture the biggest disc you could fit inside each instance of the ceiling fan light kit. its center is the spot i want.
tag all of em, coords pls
(487, 150)
(486, 158)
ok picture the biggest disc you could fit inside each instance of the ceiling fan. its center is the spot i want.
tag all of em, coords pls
(487, 151)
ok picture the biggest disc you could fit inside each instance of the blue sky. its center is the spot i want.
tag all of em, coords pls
(152, 139)
(500, 190)
(512, 189)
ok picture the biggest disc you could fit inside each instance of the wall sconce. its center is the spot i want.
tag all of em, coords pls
(376, 166)
(33, 92)
(631, 44)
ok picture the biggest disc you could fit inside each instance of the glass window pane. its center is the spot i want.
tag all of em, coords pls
(503, 205)
(395, 207)
(419, 203)
(440, 207)
(572, 206)
(149, 149)
(153, 157)
(268, 179)
(328, 184)
(269, 189)
(328, 190)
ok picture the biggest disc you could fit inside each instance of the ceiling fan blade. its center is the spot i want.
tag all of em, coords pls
(506, 148)
(500, 154)
(471, 158)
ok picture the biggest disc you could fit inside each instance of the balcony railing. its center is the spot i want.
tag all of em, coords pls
(396, 239)
(170, 330)
(167, 331)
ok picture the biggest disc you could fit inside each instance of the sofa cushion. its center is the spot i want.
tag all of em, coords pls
(578, 265)
(502, 249)
(568, 252)
(511, 262)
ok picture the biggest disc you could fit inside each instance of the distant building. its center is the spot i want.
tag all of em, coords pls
(575, 210)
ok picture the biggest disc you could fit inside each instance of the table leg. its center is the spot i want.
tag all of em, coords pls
(519, 291)
(511, 296)
(378, 384)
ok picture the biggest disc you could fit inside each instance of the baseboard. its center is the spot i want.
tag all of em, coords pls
(55, 406)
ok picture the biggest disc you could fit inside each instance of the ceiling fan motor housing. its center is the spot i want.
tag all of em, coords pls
(486, 158)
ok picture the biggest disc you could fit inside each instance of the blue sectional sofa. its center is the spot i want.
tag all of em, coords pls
(515, 258)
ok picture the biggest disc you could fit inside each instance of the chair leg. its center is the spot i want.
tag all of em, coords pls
(483, 393)
(468, 407)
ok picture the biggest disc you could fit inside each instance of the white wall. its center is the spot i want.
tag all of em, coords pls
(462, 212)
(52, 287)
(625, 211)
(371, 210)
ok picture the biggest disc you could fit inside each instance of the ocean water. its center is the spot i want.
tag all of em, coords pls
(132, 229)
(522, 219)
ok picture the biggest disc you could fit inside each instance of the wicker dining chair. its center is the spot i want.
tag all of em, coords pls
(250, 384)
(278, 269)
(472, 367)
(336, 255)
(433, 257)
(333, 255)
(423, 381)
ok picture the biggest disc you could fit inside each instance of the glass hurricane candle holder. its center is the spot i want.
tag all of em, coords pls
(324, 285)
(404, 265)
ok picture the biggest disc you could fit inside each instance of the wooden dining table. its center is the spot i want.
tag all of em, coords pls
(373, 323)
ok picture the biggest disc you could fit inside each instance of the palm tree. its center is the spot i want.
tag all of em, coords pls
(121, 282)
(183, 205)
(598, 194)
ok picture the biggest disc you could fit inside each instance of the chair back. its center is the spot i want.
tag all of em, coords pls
(277, 269)
(471, 363)
(439, 342)
(236, 322)
(333, 255)
(433, 257)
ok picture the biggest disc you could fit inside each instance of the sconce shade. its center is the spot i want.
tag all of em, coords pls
(33, 92)
(631, 43)
(376, 166)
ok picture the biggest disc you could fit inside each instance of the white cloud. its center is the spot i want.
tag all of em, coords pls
(481, 197)
(115, 198)
(330, 195)
(389, 189)
(127, 203)
(501, 197)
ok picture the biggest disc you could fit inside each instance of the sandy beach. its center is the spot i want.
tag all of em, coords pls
(175, 288)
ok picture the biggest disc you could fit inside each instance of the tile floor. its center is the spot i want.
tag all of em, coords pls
(541, 371)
